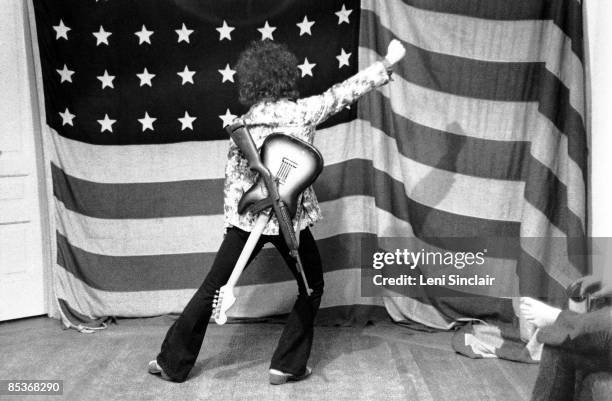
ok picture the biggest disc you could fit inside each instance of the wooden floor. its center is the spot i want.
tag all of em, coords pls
(381, 362)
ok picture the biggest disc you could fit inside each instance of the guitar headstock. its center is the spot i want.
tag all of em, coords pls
(224, 299)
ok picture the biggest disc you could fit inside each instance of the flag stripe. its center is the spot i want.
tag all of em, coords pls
(125, 237)
(509, 81)
(252, 300)
(457, 153)
(504, 160)
(390, 133)
(484, 116)
(435, 190)
(137, 163)
(148, 237)
(159, 272)
(426, 221)
(338, 253)
(566, 14)
(545, 192)
(469, 38)
(175, 235)
(180, 235)
(553, 256)
(516, 121)
(138, 201)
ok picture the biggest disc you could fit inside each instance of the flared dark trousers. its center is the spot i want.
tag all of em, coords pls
(183, 340)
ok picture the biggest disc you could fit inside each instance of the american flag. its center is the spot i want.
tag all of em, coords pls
(481, 133)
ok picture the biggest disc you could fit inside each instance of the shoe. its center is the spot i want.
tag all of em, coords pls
(155, 369)
(278, 377)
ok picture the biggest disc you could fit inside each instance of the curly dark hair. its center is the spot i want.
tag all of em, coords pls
(266, 70)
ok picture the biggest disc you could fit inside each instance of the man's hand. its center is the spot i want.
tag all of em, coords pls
(594, 286)
(395, 52)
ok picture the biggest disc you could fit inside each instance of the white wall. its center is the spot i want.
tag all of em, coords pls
(599, 34)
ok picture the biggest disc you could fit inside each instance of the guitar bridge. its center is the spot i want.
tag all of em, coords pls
(285, 168)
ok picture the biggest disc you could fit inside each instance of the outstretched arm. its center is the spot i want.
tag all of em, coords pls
(320, 107)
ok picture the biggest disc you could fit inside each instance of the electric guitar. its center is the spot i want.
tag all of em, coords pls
(296, 165)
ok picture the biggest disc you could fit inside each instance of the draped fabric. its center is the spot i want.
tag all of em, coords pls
(481, 133)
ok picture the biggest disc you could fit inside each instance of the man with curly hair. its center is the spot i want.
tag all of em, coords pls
(267, 82)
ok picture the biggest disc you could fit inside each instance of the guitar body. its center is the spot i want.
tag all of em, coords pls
(295, 163)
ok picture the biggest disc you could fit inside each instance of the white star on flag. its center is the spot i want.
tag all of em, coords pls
(145, 78)
(107, 80)
(144, 36)
(225, 31)
(101, 36)
(266, 31)
(343, 15)
(186, 75)
(65, 74)
(67, 117)
(187, 122)
(147, 122)
(305, 26)
(343, 58)
(183, 34)
(61, 30)
(106, 124)
(228, 74)
(227, 118)
(306, 67)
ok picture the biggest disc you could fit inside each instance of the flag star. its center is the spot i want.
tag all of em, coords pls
(305, 26)
(186, 122)
(65, 74)
(145, 78)
(144, 36)
(61, 30)
(183, 34)
(101, 36)
(67, 117)
(107, 80)
(147, 122)
(306, 67)
(225, 31)
(343, 15)
(186, 75)
(266, 31)
(228, 118)
(343, 58)
(228, 74)
(106, 124)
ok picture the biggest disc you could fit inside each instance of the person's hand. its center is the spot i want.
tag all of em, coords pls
(594, 286)
(395, 52)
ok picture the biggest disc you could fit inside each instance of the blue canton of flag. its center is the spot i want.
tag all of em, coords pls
(130, 72)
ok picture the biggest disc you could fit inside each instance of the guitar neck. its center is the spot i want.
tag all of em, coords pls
(254, 236)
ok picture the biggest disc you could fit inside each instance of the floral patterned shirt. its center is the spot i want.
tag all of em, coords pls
(298, 118)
